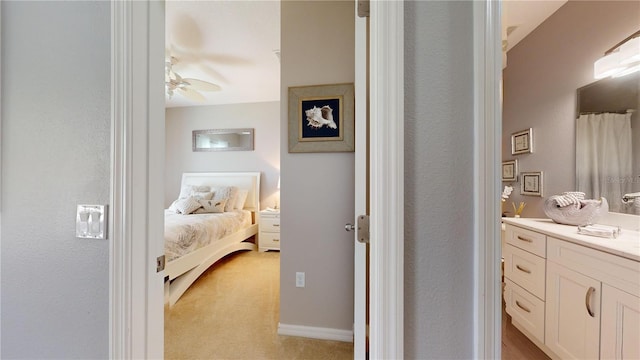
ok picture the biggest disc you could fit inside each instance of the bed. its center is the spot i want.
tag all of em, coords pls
(215, 235)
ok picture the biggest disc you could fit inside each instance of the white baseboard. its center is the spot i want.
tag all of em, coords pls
(315, 332)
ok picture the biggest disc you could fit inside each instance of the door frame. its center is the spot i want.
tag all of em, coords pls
(487, 63)
(138, 155)
(136, 320)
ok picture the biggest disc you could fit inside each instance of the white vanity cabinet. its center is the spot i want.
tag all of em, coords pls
(620, 326)
(572, 320)
(524, 277)
(590, 304)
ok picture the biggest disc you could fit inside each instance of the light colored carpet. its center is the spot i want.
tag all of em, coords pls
(232, 312)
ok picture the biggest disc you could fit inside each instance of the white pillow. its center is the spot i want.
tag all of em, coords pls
(229, 193)
(187, 206)
(241, 199)
(211, 206)
(201, 195)
(174, 207)
(187, 190)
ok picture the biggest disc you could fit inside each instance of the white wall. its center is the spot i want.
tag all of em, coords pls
(263, 117)
(543, 73)
(317, 47)
(55, 149)
(438, 180)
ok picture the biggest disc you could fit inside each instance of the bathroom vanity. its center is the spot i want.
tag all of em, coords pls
(573, 295)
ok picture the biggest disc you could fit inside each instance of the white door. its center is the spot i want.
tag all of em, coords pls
(361, 191)
(572, 317)
(620, 329)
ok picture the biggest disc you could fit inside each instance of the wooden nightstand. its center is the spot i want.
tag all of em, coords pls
(269, 230)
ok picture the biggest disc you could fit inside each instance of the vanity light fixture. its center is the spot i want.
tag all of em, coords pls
(620, 60)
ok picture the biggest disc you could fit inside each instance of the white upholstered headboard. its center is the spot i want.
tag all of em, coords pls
(249, 181)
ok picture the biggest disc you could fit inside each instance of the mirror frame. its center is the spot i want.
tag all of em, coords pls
(213, 132)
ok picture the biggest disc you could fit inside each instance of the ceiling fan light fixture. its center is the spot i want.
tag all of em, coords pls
(188, 87)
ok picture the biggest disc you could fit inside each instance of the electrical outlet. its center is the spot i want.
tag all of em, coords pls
(299, 279)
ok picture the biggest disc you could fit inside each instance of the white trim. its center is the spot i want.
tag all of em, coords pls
(360, 189)
(387, 180)
(137, 158)
(487, 150)
(119, 284)
(315, 332)
(0, 170)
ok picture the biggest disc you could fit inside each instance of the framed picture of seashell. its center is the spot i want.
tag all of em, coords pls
(321, 118)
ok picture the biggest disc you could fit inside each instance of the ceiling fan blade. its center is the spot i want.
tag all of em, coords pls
(191, 94)
(202, 85)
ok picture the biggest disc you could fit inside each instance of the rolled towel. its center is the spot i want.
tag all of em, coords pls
(600, 230)
(587, 212)
(569, 198)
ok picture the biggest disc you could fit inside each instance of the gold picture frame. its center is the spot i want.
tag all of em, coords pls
(321, 118)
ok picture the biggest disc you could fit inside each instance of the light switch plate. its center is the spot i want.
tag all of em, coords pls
(91, 222)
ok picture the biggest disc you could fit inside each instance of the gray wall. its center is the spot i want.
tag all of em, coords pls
(263, 117)
(317, 47)
(540, 81)
(55, 154)
(438, 180)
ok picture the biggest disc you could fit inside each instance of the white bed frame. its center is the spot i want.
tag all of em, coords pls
(185, 270)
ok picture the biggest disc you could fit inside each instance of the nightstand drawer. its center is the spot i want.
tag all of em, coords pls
(270, 224)
(269, 241)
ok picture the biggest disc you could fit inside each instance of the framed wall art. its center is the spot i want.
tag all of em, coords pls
(321, 118)
(522, 142)
(531, 183)
(510, 170)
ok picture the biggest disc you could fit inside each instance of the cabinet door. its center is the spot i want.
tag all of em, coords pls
(620, 324)
(572, 319)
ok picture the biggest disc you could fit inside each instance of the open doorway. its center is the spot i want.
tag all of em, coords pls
(543, 74)
(223, 81)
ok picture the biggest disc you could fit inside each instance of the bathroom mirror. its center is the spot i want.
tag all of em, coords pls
(223, 140)
(609, 165)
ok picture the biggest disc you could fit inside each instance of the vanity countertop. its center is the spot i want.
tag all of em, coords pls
(626, 245)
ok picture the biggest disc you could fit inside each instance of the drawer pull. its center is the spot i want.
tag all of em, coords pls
(523, 269)
(276, 240)
(524, 239)
(522, 307)
(275, 225)
(587, 300)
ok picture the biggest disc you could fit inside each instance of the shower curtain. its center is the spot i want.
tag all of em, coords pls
(603, 157)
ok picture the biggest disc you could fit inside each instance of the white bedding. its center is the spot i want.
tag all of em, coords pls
(186, 233)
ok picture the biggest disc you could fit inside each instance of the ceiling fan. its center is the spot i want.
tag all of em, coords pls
(186, 86)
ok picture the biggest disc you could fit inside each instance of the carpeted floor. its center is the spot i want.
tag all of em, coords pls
(232, 312)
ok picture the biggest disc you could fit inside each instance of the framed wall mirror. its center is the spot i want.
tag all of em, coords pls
(223, 140)
(608, 140)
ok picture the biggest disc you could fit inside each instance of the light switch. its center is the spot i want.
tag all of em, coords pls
(91, 221)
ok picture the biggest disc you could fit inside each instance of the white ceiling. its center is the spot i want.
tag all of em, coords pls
(231, 43)
(520, 17)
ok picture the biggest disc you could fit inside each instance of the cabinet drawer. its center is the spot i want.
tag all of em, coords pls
(525, 309)
(269, 241)
(525, 269)
(528, 240)
(270, 224)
